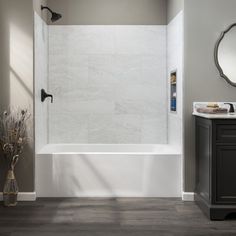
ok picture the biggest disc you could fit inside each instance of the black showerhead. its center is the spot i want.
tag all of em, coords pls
(55, 16)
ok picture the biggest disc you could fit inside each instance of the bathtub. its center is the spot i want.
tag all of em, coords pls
(107, 170)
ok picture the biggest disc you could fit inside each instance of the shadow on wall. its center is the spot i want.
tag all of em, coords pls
(16, 68)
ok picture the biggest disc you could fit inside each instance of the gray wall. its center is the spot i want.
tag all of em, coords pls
(16, 73)
(173, 8)
(110, 12)
(204, 21)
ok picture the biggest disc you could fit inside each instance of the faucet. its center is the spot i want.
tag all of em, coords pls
(231, 109)
(44, 95)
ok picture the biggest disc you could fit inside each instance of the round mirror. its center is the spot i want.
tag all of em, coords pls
(225, 54)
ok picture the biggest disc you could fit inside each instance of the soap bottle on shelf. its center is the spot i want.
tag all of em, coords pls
(173, 91)
(173, 102)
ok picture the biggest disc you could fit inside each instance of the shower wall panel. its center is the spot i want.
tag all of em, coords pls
(109, 84)
(175, 63)
(41, 81)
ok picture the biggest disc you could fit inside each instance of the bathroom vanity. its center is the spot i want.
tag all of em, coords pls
(215, 191)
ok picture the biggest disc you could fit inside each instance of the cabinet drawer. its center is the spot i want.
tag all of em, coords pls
(226, 133)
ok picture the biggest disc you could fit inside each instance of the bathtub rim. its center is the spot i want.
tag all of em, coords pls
(164, 149)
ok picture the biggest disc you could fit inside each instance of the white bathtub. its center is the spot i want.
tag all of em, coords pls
(134, 170)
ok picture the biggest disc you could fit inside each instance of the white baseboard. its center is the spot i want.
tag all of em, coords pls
(188, 196)
(27, 196)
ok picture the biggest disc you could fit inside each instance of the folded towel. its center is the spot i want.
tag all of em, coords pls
(209, 110)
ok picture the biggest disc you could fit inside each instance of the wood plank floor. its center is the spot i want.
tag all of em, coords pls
(110, 217)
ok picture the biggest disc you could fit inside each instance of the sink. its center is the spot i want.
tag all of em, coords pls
(220, 112)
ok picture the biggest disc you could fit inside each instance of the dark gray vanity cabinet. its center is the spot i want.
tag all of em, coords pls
(216, 166)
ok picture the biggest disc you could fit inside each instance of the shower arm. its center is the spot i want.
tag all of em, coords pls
(43, 7)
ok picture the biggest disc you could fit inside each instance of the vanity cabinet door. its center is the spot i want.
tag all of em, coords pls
(203, 160)
(225, 174)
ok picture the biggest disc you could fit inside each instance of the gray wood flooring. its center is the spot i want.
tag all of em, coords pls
(110, 217)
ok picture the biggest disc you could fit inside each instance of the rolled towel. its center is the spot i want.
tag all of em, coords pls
(212, 105)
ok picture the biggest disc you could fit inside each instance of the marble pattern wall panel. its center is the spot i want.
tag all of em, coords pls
(175, 62)
(109, 84)
(41, 77)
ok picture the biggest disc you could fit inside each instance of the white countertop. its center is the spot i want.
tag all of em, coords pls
(215, 116)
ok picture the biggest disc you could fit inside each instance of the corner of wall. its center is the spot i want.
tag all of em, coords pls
(37, 7)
